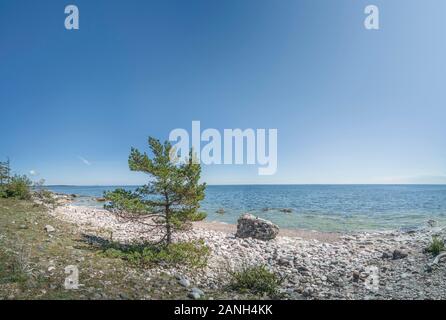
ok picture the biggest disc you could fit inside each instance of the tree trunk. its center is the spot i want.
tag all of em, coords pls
(168, 226)
(169, 233)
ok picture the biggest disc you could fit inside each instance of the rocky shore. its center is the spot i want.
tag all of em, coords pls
(366, 265)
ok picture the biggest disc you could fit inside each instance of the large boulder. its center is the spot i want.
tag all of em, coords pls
(249, 226)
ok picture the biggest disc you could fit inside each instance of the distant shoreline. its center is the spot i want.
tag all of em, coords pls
(257, 184)
(231, 228)
(323, 208)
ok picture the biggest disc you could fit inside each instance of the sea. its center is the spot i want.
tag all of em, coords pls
(328, 208)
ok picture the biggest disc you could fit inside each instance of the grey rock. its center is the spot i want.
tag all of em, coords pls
(432, 223)
(308, 291)
(97, 296)
(184, 282)
(399, 254)
(194, 295)
(285, 262)
(198, 291)
(387, 255)
(178, 276)
(302, 269)
(124, 296)
(49, 228)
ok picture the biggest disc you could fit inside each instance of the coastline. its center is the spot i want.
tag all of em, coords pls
(230, 228)
(363, 265)
(325, 208)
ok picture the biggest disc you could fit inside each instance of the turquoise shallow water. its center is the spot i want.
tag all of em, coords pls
(315, 207)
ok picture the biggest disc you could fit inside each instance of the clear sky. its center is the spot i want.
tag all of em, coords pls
(351, 105)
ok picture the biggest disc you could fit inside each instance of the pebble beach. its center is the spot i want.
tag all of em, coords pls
(314, 265)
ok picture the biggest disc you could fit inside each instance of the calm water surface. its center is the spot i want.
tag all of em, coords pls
(315, 207)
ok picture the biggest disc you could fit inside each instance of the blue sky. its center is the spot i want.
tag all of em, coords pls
(350, 105)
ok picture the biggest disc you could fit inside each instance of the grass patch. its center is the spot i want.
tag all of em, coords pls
(256, 280)
(436, 246)
(13, 269)
(27, 251)
(193, 254)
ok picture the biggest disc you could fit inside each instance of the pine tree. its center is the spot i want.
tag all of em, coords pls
(172, 196)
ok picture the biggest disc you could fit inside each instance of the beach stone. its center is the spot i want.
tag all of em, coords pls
(308, 291)
(124, 296)
(432, 223)
(184, 282)
(285, 261)
(199, 291)
(49, 228)
(194, 295)
(399, 254)
(249, 226)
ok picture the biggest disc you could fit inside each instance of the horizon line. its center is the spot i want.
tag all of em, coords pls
(259, 184)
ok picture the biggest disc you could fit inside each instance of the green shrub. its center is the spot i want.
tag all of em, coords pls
(436, 246)
(3, 193)
(193, 254)
(18, 187)
(256, 280)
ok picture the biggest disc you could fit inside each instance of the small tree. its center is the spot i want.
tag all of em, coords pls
(19, 187)
(169, 200)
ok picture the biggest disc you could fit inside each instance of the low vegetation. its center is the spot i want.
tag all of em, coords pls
(26, 250)
(436, 246)
(256, 280)
(18, 187)
(14, 267)
(36, 248)
(192, 254)
(22, 188)
(33, 261)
